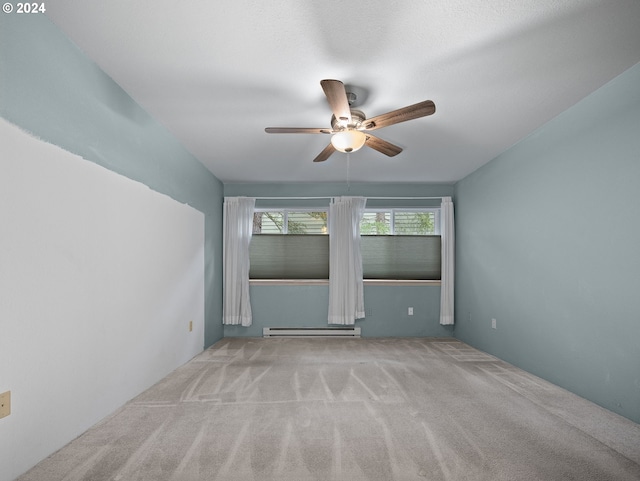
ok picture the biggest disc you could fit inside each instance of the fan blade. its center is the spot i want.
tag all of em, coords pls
(383, 146)
(337, 98)
(415, 111)
(296, 130)
(325, 154)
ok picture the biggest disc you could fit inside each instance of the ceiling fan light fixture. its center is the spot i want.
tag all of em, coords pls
(347, 124)
(348, 140)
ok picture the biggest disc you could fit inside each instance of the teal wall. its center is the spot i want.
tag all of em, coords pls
(50, 89)
(547, 244)
(306, 306)
(386, 310)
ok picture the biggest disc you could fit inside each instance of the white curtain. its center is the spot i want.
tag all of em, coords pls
(448, 258)
(237, 229)
(346, 293)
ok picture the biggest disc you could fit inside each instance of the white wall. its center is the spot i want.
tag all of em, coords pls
(99, 278)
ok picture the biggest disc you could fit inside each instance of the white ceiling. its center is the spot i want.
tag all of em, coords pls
(216, 73)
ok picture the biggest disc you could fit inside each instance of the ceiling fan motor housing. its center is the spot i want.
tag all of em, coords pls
(357, 117)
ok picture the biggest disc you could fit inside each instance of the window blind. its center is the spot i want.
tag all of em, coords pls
(290, 256)
(415, 257)
(306, 256)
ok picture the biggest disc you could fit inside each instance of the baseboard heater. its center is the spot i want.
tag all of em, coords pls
(311, 332)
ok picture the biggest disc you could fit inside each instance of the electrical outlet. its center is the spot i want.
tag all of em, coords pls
(410, 311)
(5, 404)
(493, 324)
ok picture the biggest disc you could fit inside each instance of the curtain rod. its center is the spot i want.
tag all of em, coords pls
(332, 196)
(407, 198)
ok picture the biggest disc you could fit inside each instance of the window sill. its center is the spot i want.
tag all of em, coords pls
(399, 282)
(325, 282)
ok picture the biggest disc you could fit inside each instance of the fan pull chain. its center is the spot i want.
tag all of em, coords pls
(348, 169)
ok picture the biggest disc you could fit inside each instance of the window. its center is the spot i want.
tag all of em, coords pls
(400, 222)
(286, 221)
(401, 244)
(289, 244)
(396, 244)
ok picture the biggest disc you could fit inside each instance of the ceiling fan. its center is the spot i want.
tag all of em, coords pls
(350, 127)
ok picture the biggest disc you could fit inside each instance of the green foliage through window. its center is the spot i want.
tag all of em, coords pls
(399, 222)
(290, 222)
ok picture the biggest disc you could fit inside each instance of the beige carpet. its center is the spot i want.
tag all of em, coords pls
(351, 409)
